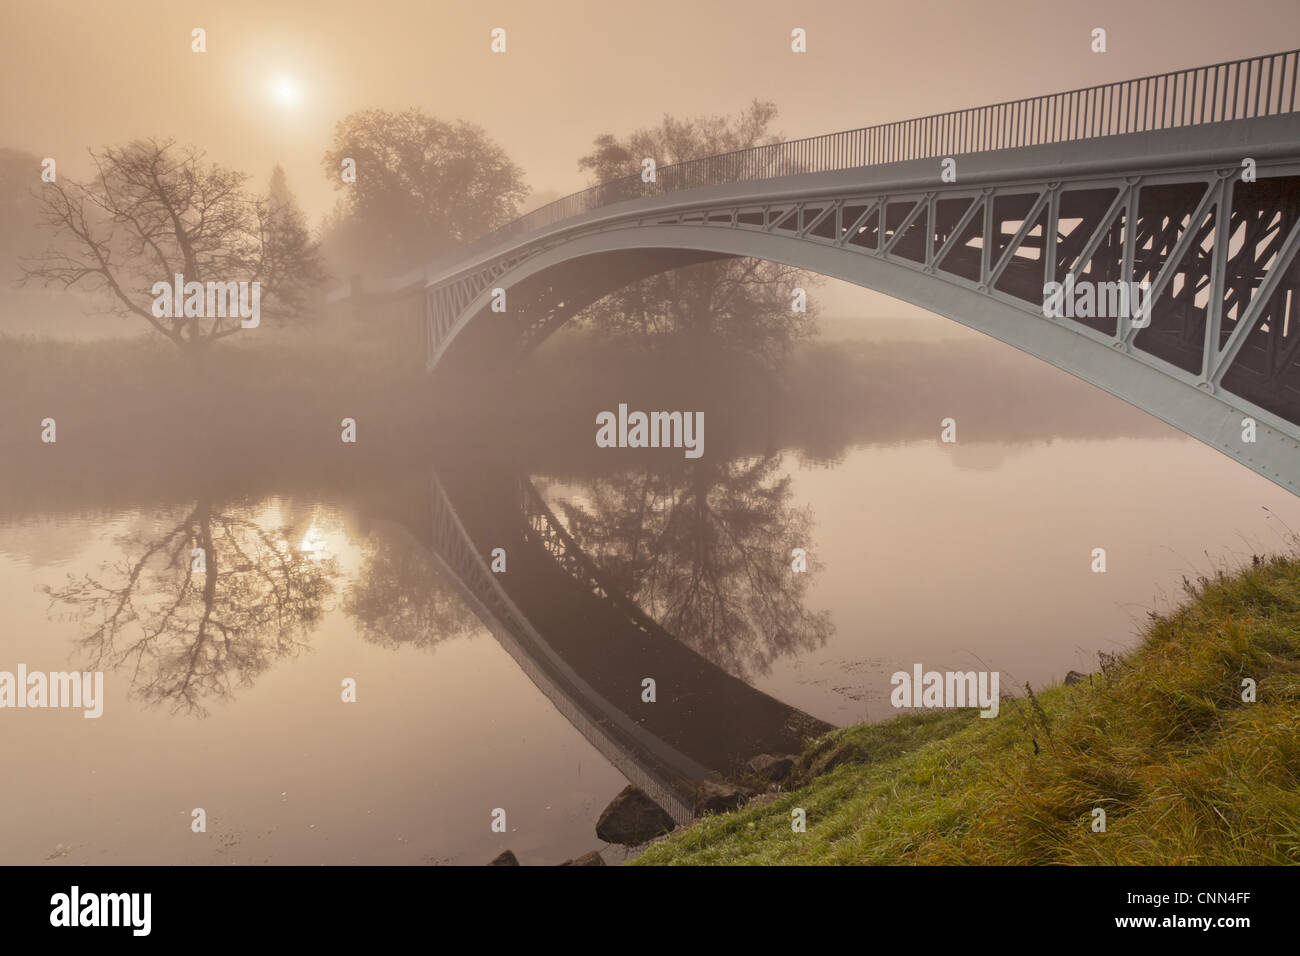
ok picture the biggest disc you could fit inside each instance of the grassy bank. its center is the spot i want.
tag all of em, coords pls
(1160, 739)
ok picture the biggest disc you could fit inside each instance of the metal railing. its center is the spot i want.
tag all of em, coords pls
(1236, 89)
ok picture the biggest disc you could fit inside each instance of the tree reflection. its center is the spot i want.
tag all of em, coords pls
(189, 632)
(706, 551)
(401, 597)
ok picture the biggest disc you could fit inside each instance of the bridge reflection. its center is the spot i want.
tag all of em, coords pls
(587, 646)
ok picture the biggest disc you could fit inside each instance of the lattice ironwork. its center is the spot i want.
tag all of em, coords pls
(1218, 256)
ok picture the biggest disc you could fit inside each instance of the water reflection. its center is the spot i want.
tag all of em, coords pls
(622, 566)
(706, 549)
(681, 575)
(208, 601)
(401, 597)
(587, 645)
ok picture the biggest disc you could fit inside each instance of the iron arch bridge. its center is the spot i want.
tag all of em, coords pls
(1184, 185)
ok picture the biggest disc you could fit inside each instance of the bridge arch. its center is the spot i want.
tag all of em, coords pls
(1135, 182)
(980, 256)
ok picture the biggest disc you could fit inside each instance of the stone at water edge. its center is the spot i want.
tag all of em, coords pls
(1074, 677)
(772, 767)
(716, 797)
(632, 818)
(587, 859)
(505, 859)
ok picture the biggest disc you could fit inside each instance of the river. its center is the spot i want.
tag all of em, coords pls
(225, 686)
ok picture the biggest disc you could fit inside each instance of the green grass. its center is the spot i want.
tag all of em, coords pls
(1160, 739)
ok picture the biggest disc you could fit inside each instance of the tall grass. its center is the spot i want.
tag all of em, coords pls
(1161, 739)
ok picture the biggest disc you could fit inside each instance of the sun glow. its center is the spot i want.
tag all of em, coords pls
(285, 91)
(313, 543)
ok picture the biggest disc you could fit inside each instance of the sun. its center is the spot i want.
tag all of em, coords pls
(285, 91)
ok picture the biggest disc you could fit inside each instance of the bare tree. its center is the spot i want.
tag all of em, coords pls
(154, 210)
(742, 304)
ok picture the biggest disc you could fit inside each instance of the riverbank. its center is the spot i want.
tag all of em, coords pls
(136, 410)
(1161, 739)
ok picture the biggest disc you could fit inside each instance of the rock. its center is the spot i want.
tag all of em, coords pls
(505, 859)
(1074, 677)
(772, 767)
(715, 797)
(632, 818)
(587, 859)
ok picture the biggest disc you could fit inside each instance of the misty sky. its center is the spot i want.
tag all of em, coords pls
(278, 75)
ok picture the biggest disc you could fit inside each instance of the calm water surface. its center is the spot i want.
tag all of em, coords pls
(226, 695)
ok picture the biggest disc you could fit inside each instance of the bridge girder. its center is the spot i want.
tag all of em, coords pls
(1223, 339)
